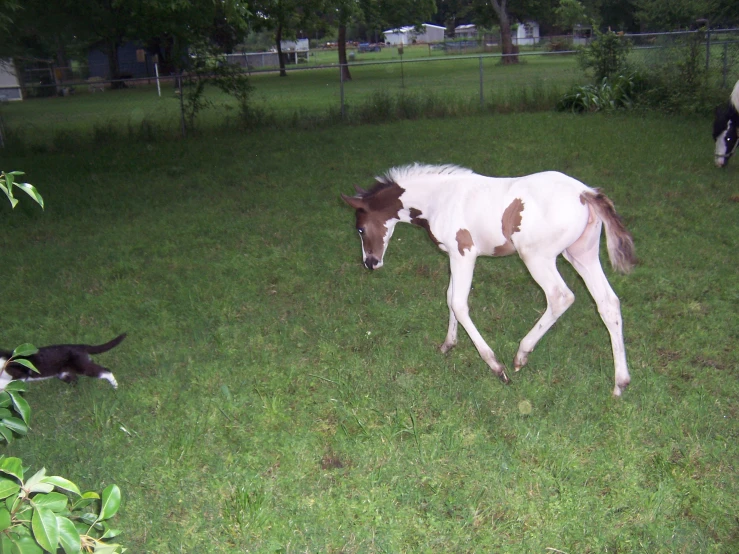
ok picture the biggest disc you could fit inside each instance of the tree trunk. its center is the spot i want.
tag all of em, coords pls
(345, 75)
(280, 58)
(113, 67)
(500, 7)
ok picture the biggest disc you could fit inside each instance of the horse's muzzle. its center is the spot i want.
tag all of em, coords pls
(370, 262)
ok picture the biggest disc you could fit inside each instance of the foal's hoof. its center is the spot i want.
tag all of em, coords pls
(520, 360)
(446, 347)
(504, 378)
(619, 388)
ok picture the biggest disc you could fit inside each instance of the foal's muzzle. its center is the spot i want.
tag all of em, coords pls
(370, 262)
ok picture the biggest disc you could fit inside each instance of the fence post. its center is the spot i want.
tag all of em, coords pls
(341, 81)
(708, 46)
(178, 76)
(725, 71)
(482, 90)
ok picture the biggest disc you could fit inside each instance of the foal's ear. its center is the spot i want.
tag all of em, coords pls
(360, 190)
(353, 201)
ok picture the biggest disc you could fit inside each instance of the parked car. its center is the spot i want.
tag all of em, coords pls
(367, 47)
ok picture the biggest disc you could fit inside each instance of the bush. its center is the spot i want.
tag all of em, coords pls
(676, 79)
(606, 56)
(610, 94)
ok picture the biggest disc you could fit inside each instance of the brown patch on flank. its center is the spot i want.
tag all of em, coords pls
(511, 223)
(464, 241)
(416, 219)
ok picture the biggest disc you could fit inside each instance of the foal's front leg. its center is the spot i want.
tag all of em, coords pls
(458, 293)
(451, 335)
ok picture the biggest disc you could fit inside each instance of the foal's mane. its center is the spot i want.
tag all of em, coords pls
(401, 173)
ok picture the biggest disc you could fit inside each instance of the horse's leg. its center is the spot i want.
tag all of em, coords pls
(451, 335)
(583, 255)
(462, 270)
(559, 298)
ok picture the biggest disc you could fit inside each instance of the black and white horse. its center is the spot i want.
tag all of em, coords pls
(725, 128)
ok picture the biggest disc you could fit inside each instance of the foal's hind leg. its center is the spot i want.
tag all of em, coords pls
(559, 298)
(583, 255)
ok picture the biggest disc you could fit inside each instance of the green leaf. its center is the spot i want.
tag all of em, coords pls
(31, 191)
(62, 483)
(25, 350)
(103, 548)
(26, 545)
(16, 425)
(14, 386)
(21, 406)
(35, 484)
(69, 537)
(45, 528)
(54, 501)
(90, 519)
(110, 533)
(12, 466)
(5, 400)
(5, 520)
(6, 433)
(25, 363)
(4, 412)
(6, 546)
(8, 487)
(110, 503)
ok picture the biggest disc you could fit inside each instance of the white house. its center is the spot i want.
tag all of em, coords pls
(10, 88)
(465, 31)
(527, 34)
(295, 47)
(409, 34)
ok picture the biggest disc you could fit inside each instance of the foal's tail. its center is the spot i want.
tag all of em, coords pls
(618, 240)
(99, 349)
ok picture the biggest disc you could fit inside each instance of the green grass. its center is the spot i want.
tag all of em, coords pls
(304, 98)
(276, 396)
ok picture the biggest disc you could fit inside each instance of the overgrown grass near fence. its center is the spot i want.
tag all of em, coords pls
(304, 98)
(276, 396)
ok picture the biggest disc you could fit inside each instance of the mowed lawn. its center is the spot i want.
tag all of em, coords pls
(275, 396)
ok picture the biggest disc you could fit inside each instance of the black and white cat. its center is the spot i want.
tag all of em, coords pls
(63, 361)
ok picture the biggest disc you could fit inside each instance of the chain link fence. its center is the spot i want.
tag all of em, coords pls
(436, 79)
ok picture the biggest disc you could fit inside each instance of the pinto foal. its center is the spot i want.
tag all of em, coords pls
(539, 216)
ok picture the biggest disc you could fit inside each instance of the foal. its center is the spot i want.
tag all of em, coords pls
(539, 216)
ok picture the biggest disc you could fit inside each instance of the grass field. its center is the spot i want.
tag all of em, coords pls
(307, 97)
(277, 397)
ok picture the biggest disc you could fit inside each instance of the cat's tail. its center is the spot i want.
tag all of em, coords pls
(105, 347)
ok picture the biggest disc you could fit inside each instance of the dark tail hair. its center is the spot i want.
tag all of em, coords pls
(618, 240)
(107, 346)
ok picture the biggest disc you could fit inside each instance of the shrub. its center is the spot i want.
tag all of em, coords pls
(610, 94)
(606, 56)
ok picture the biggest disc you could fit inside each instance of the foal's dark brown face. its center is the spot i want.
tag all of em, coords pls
(377, 212)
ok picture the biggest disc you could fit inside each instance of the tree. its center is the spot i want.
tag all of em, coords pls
(284, 17)
(570, 13)
(667, 15)
(342, 12)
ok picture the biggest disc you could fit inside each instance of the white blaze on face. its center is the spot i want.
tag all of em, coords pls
(720, 154)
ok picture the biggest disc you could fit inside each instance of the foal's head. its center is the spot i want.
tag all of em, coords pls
(725, 134)
(377, 212)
